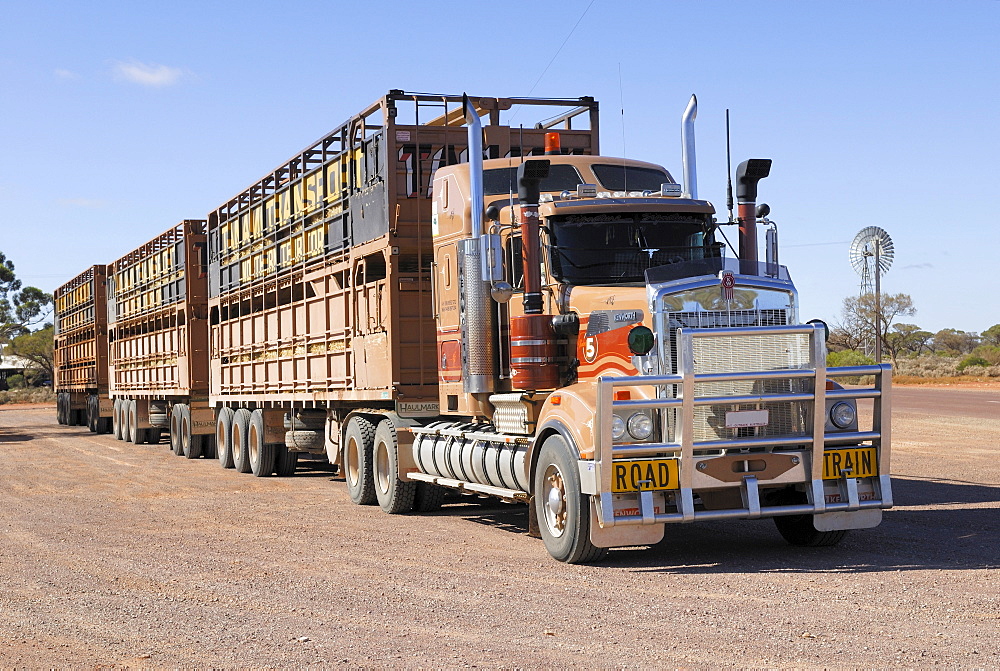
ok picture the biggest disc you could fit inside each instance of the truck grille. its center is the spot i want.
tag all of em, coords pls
(744, 352)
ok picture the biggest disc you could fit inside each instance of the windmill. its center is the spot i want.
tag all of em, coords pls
(871, 256)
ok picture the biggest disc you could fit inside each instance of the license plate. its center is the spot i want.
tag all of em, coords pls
(644, 474)
(860, 461)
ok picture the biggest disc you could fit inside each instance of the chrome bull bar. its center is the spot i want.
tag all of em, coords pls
(684, 445)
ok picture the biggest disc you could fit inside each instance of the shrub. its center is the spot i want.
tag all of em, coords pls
(850, 357)
(989, 353)
(16, 381)
(929, 365)
(970, 362)
(28, 395)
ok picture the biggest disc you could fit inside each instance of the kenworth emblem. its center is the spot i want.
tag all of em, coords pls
(728, 282)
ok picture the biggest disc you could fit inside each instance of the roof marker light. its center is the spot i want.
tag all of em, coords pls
(552, 146)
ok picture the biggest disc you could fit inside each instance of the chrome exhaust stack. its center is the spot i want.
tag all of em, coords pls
(687, 149)
(474, 275)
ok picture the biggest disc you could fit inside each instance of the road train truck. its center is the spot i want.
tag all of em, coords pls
(80, 351)
(157, 305)
(436, 303)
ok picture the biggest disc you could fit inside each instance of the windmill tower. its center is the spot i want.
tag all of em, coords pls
(871, 256)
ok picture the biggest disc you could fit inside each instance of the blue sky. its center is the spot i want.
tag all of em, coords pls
(122, 118)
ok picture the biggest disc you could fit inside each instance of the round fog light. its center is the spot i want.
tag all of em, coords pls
(843, 415)
(640, 426)
(640, 340)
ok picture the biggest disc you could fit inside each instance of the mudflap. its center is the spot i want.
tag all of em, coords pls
(858, 519)
(622, 535)
(107, 407)
(202, 421)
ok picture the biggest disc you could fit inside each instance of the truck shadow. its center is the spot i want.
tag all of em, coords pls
(936, 524)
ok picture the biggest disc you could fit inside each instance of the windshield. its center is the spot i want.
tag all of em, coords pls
(618, 249)
(502, 181)
(630, 178)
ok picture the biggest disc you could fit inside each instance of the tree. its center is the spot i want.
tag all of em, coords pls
(858, 320)
(19, 307)
(953, 341)
(35, 347)
(991, 336)
(906, 338)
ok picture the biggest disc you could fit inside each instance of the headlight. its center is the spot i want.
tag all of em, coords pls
(640, 426)
(843, 415)
(617, 427)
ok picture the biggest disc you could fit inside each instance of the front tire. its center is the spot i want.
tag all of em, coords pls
(394, 495)
(359, 439)
(563, 510)
(799, 530)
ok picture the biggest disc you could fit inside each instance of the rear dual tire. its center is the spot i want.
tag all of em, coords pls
(240, 444)
(260, 453)
(393, 494)
(359, 441)
(224, 437)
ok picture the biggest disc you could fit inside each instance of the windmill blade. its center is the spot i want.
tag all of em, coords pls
(862, 252)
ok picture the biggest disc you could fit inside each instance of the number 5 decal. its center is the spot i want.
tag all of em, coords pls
(590, 349)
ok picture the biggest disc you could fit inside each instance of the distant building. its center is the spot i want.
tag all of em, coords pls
(11, 365)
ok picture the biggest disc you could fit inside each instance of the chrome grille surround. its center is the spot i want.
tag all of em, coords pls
(758, 302)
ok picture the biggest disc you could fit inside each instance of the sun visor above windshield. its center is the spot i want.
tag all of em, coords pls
(712, 267)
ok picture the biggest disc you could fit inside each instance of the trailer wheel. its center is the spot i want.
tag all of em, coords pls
(285, 461)
(175, 429)
(208, 445)
(563, 510)
(185, 444)
(359, 439)
(104, 425)
(191, 443)
(261, 452)
(153, 438)
(224, 437)
(131, 415)
(428, 497)
(116, 420)
(241, 427)
(93, 413)
(61, 408)
(394, 495)
(75, 417)
(138, 436)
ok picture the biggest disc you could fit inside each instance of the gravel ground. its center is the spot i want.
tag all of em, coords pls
(113, 555)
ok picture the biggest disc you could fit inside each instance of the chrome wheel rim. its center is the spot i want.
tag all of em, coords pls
(254, 445)
(382, 467)
(352, 462)
(554, 500)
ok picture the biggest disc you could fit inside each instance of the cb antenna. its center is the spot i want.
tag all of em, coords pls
(729, 173)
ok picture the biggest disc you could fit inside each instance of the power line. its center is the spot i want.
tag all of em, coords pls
(553, 60)
(555, 55)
